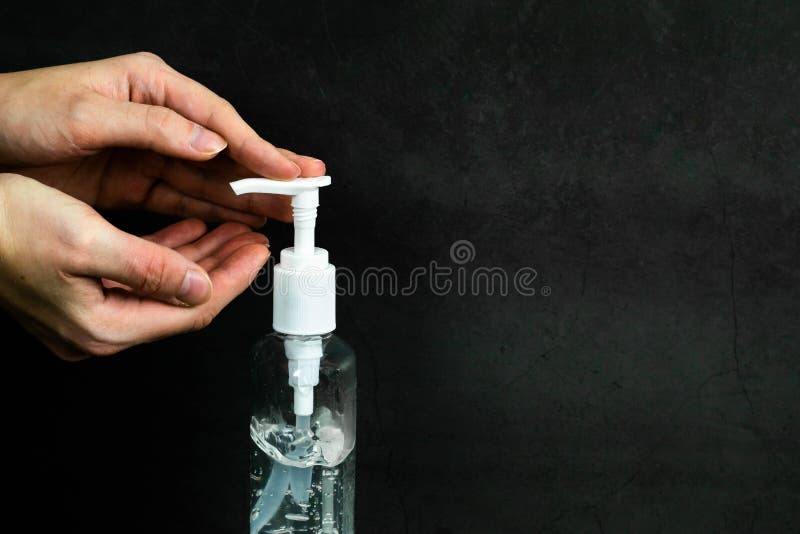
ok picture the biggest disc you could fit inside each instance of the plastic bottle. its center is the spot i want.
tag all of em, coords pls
(302, 464)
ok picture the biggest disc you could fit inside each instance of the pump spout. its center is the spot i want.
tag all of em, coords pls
(305, 199)
(279, 187)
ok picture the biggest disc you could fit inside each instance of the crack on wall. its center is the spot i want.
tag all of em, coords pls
(732, 281)
(558, 342)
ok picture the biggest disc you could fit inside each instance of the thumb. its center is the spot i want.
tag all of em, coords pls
(156, 128)
(149, 269)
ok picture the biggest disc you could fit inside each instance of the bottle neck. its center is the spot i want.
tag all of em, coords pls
(294, 337)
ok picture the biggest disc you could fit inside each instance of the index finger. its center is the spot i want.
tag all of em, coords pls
(201, 105)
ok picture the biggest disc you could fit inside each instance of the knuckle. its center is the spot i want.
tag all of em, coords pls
(225, 104)
(144, 65)
(80, 260)
(236, 228)
(223, 108)
(148, 57)
(182, 207)
(79, 243)
(153, 274)
(244, 143)
(203, 319)
(253, 205)
(157, 117)
(79, 124)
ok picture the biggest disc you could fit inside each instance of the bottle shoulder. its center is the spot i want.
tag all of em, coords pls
(338, 344)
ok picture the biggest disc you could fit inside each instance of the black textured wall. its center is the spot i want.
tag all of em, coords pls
(643, 157)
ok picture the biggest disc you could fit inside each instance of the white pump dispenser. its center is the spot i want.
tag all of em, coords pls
(304, 293)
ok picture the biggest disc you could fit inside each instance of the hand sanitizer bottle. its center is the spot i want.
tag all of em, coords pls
(303, 426)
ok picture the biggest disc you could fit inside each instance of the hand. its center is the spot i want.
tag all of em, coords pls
(87, 288)
(131, 132)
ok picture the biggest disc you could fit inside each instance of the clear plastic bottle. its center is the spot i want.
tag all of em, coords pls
(303, 425)
(302, 468)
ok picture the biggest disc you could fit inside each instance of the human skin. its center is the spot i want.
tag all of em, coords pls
(126, 132)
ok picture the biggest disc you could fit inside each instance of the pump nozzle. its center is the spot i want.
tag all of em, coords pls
(305, 199)
(304, 292)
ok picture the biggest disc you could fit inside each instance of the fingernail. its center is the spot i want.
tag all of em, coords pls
(196, 288)
(206, 142)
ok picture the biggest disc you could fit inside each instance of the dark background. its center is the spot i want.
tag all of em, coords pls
(643, 157)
